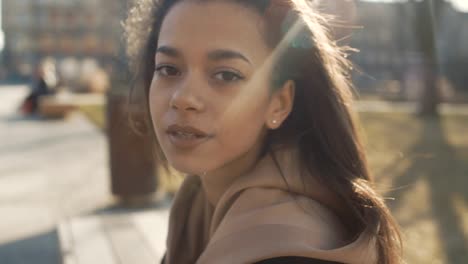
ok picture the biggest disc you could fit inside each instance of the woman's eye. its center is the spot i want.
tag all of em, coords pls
(228, 76)
(167, 70)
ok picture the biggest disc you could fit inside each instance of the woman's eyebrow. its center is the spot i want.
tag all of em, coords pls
(216, 55)
(223, 54)
(169, 51)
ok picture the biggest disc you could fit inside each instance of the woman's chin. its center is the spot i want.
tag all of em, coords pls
(186, 168)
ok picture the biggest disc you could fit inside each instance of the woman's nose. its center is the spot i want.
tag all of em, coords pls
(185, 98)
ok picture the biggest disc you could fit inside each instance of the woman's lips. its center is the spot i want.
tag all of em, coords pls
(186, 136)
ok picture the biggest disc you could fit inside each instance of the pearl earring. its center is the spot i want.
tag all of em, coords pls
(274, 121)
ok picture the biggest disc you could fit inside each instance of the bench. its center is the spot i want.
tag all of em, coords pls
(61, 104)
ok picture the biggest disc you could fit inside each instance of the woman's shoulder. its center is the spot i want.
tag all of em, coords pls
(268, 224)
(262, 207)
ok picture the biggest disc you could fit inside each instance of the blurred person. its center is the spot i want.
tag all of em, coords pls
(44, 82)
(251, 99)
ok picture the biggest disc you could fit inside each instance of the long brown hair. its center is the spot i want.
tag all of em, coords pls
(321, 121)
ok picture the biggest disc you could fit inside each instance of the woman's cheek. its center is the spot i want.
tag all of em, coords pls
(241, 133)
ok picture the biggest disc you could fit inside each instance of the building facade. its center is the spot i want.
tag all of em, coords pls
(35, 29)
(384, 32)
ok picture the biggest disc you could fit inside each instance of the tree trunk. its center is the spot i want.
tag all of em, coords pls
(427, 16)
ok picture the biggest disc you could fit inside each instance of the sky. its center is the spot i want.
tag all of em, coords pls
(461, 5)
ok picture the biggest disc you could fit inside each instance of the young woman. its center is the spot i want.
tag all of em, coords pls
(250, 99)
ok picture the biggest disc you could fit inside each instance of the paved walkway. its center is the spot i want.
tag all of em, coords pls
(123, 238)
(50, 172)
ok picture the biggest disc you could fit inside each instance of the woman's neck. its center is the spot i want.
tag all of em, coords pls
(216, 182)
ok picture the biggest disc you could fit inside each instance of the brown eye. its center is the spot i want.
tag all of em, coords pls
(228, 76)
(167, 70)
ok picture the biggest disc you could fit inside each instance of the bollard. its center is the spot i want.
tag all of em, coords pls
(132, 166)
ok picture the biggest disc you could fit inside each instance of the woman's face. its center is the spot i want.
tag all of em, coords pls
(210, 98)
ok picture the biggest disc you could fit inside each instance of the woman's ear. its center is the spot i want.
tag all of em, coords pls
(281, 105)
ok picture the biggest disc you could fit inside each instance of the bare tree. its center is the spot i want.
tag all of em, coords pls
(427, 17)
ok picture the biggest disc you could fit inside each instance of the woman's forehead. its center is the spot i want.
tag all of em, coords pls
(205, 26)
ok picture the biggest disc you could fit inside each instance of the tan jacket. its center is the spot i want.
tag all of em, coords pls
(260, 217)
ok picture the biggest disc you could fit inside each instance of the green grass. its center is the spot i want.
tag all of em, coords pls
(95, 114)
(423, 165)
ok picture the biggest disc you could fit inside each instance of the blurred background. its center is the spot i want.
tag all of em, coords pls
(78, 185)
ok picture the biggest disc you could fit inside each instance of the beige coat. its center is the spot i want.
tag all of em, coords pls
(261, 217)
